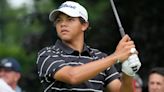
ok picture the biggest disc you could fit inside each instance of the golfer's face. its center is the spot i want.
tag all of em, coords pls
(68, 28)
(156, 83)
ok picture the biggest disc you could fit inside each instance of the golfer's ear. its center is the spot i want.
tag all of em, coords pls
(85, 26)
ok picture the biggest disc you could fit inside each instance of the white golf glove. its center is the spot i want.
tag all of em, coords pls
(132, 64)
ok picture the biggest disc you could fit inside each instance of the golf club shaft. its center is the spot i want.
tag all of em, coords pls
(121, 29)
(133, 59)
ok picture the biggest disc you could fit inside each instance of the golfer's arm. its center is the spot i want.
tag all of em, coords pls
(79, 74)
(127, 84)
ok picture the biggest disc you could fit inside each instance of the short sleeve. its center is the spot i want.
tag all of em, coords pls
(49, 63)
(111, 74)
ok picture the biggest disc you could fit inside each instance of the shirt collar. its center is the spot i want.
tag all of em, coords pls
(68, 50)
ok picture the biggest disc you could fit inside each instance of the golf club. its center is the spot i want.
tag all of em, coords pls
(121, 29)
(133, 59)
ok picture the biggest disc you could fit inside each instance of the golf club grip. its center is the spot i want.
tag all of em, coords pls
(122, 32)
(121, 29)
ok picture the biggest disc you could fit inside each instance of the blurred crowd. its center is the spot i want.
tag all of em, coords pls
(155, 81)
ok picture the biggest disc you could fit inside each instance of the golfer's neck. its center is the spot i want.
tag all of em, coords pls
(76, 45)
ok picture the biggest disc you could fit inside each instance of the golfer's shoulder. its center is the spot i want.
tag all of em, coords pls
(97, 52)
(47, 50)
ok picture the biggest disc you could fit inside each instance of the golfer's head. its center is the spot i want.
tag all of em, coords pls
(70, 8)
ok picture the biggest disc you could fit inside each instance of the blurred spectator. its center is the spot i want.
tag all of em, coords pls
(138, 83)
(156, 80)
(10, 75)
(4, 87)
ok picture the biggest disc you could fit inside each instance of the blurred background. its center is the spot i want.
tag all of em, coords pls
(25, 29)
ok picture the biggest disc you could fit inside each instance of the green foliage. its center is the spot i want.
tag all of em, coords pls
(17, 52)
(48, 5)
(15, 25)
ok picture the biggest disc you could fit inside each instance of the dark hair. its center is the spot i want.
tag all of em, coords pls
(158, 70)
(82, 20)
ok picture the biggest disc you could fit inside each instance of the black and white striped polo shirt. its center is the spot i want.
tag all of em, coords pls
(51, 59)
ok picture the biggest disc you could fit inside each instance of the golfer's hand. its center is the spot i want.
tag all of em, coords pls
(123, 49)
(131, 65)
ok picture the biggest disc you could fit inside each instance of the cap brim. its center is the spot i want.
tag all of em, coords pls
(53, 15)
(8, 68)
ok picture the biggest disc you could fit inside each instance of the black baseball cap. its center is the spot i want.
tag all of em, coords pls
(10, 64)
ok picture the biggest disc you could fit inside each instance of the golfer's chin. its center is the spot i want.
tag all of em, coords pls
(65, 38)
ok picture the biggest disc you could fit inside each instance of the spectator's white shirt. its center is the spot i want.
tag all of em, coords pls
(4, 87)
